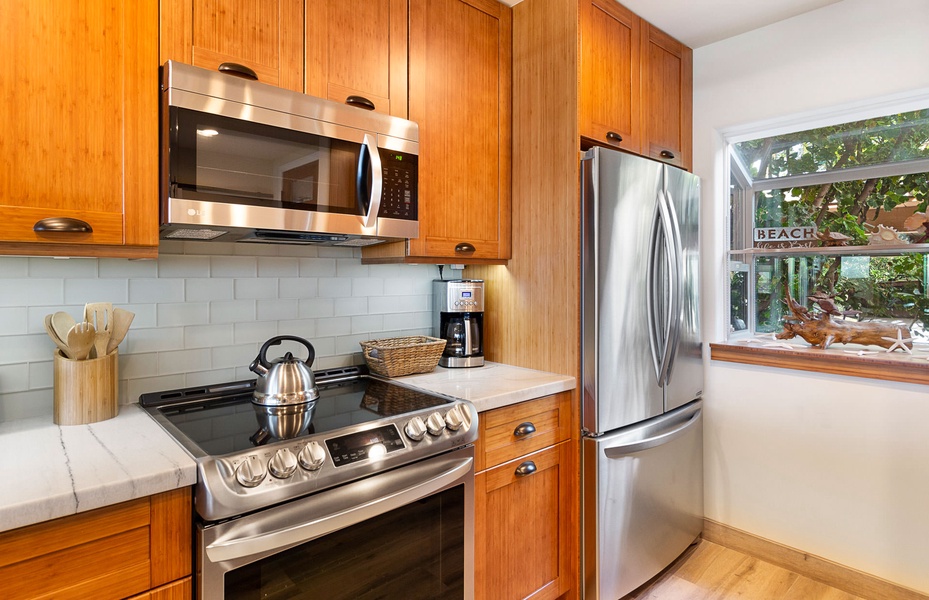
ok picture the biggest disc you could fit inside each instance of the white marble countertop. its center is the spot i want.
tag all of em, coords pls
(491, 386)
(51, 471)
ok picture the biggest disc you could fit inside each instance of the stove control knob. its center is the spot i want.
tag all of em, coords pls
(312, 456)
(454, 419)
(250, 471)
(283, 464)
(435, 423)
(415, 429)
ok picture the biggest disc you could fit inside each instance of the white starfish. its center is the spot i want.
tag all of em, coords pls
(861, 352)
(899, 342)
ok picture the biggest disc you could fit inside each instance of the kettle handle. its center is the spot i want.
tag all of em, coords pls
(262, 358)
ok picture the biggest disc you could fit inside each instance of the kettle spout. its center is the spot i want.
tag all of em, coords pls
(258, 368)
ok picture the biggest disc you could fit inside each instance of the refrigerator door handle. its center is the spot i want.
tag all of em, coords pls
(677, 286)
(622, 450)
(673, 301)
(651, 293)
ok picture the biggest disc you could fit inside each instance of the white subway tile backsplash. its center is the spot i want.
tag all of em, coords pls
(208, 336)
(81, 268)
(203, 311)
(156, 290)
(233, 266)
(182, 361)
(282, 266)
(121, 268)
(204, 290)
(14, 378)
(298, 287)
(367, 286)
(232, 311)
(181, 314)
(254, 289)
(82, 291)
(184, 266)
(334, 287)
(317, 267)
(27, 292)
(275, 310)
(316, 308)
(15, 320)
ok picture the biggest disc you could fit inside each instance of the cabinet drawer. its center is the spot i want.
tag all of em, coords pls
(512, 431)
(111, 552)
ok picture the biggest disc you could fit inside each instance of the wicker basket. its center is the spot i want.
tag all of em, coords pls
(394, 357)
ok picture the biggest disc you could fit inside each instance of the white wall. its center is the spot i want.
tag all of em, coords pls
(202, 312)
(835, 466)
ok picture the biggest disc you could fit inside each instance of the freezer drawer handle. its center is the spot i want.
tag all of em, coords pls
(524, 429)
(525, 469)
(623, 450)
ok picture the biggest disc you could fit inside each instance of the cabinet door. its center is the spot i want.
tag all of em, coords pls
(79, 114)
(460, 64)
(523, 512)
(609, 90)
(264, 35)
(667, 97)
(358, 48)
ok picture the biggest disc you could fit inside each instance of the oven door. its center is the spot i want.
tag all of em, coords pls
(406, 533)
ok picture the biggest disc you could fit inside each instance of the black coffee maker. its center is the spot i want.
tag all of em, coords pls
(458, 318)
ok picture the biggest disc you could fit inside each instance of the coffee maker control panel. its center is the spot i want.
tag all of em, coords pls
(463, 295)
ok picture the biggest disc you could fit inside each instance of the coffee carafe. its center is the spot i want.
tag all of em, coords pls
(458, 318)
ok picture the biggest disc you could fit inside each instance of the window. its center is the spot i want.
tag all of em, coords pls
(834, 216)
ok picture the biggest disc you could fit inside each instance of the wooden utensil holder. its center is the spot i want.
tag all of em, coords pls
(85, 390)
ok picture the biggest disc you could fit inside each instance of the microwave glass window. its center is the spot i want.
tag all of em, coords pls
(218, 158)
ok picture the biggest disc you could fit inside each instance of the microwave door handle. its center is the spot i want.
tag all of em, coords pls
(369, 148)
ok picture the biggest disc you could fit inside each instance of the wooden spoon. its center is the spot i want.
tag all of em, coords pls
(62, 323)
(81, 340)
(121, 320)
(51, 333)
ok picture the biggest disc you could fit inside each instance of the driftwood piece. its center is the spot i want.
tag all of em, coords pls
(819, 330)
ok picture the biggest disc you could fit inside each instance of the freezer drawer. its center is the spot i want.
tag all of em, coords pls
(642, 500)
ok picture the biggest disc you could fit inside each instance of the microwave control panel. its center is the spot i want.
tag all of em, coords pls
(399, 198)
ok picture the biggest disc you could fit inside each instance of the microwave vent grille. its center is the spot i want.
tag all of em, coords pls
(193, 234)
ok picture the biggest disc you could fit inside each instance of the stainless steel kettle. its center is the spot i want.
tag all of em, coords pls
(285, 391)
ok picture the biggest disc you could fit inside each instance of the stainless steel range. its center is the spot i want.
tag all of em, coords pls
(373, 500)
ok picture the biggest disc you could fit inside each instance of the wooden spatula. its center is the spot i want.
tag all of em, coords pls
(100, 315)
(121, 320)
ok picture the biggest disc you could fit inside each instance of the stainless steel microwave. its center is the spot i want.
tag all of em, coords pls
(247, 162)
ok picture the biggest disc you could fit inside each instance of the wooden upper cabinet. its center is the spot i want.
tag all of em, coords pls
(460, 95)
(264, 35)
(609, 74)
(358, 48)
(79, 115)
(667, 97)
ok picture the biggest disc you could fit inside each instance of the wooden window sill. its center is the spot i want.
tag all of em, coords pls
(896, 366)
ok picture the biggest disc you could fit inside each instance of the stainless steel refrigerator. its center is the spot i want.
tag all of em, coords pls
(642, 447)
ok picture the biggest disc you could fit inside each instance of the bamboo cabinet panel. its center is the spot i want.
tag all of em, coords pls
(610, 69)
(358, 48)
(459, 94)
(80, 128)
(525, 500)
(264, 35)
(667, 98)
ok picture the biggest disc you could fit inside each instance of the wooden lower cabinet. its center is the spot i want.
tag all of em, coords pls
(142, 546)
(526, 510)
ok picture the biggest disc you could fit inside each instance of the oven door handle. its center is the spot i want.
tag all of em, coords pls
(257, 535)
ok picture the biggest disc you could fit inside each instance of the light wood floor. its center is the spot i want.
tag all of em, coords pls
(708, 571)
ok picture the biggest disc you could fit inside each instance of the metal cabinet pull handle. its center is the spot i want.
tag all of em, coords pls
(667, 154)
(465, 247)
(614, 137)
(62, 225)
(525, 469)
(524, 429)
(238, 70)
(360, 102)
